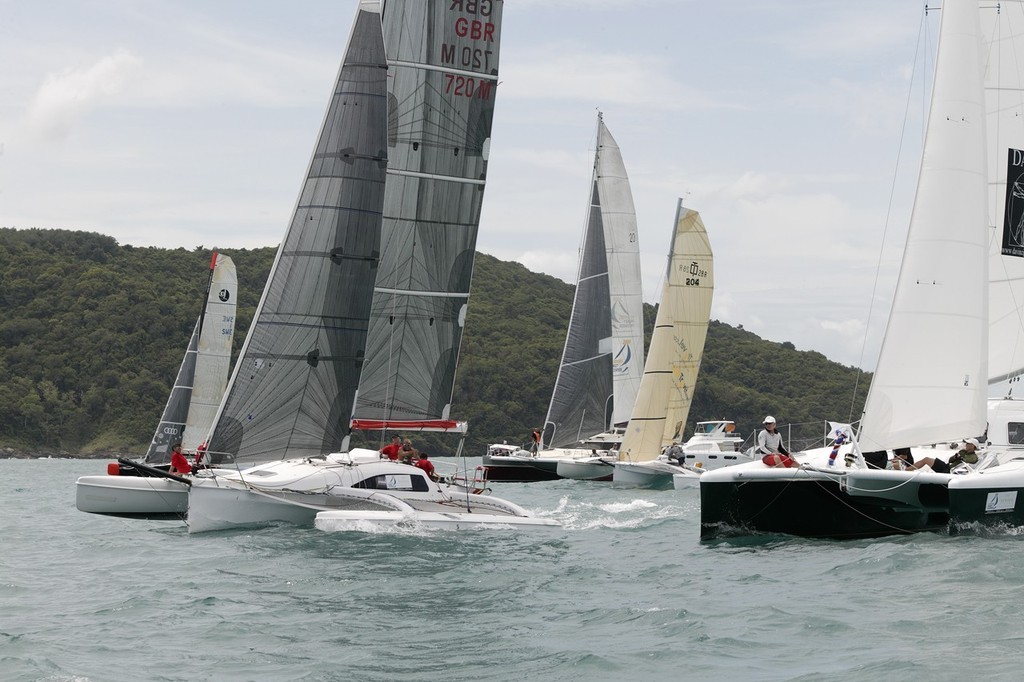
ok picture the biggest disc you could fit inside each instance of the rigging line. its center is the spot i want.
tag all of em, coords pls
(888, 215)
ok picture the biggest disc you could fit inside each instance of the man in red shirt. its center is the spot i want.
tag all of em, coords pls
(391, 451)
(424, 463)
(179, 464)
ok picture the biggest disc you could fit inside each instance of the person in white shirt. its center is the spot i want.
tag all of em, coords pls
(769, 441)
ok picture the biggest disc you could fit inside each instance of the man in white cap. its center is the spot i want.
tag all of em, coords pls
(769, 441)
(967, 455)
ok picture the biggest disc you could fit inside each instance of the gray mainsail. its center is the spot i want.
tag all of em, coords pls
(443, 69)
(292, 390)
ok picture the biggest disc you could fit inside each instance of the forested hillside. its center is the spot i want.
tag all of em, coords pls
(92, 334)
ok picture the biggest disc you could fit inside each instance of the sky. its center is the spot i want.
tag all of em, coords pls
(793, 126)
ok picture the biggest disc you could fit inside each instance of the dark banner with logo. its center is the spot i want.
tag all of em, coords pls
(1013, 216)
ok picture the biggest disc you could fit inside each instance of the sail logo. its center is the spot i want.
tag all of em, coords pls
(694, 272)
(621, 319)
(622, 359)
(224, 295)
(1013, 215)
(1002, 501)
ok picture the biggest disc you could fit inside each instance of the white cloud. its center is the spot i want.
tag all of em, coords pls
(65, 97)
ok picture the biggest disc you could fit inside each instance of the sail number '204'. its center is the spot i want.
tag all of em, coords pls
(464, 86)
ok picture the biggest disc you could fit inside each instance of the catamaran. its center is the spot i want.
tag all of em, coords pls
(930, 385)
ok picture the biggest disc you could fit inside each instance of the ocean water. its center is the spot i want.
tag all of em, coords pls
(626, 591)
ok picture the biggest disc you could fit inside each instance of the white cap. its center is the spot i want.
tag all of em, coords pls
(974, 442)
(769, 419)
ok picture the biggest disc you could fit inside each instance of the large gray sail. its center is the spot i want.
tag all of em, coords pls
(293, 387)
(172, 422)
(581, 403)
(443, 68)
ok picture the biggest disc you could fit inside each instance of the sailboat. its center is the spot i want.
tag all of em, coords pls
(603, 356)
(929, 387)
(133, 489)
(993, 493)
(361, 319)
(677, 346)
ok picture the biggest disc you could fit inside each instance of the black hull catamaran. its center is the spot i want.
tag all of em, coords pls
(930, 383)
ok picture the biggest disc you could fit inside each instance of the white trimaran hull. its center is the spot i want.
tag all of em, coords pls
(358, 486)
(141, 496)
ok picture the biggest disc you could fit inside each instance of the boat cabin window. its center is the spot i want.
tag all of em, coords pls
(1015, 433)
(704, 428)
(411, 482)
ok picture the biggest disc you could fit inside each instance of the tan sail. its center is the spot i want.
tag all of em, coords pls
(677, 344)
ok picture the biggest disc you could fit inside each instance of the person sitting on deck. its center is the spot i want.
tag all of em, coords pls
(770, 447)
(967, 455)
(428, 467)
(179, 463)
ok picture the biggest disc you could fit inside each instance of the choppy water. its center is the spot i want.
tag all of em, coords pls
(625, 592)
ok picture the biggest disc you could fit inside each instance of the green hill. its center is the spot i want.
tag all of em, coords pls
(93, 332)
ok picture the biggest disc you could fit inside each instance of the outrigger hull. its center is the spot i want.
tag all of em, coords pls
(132, 497)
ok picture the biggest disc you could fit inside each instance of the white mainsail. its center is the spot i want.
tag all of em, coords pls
(677, 343)
(603, 358)
(930, 381)
(213, 358)
(1003, 31)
